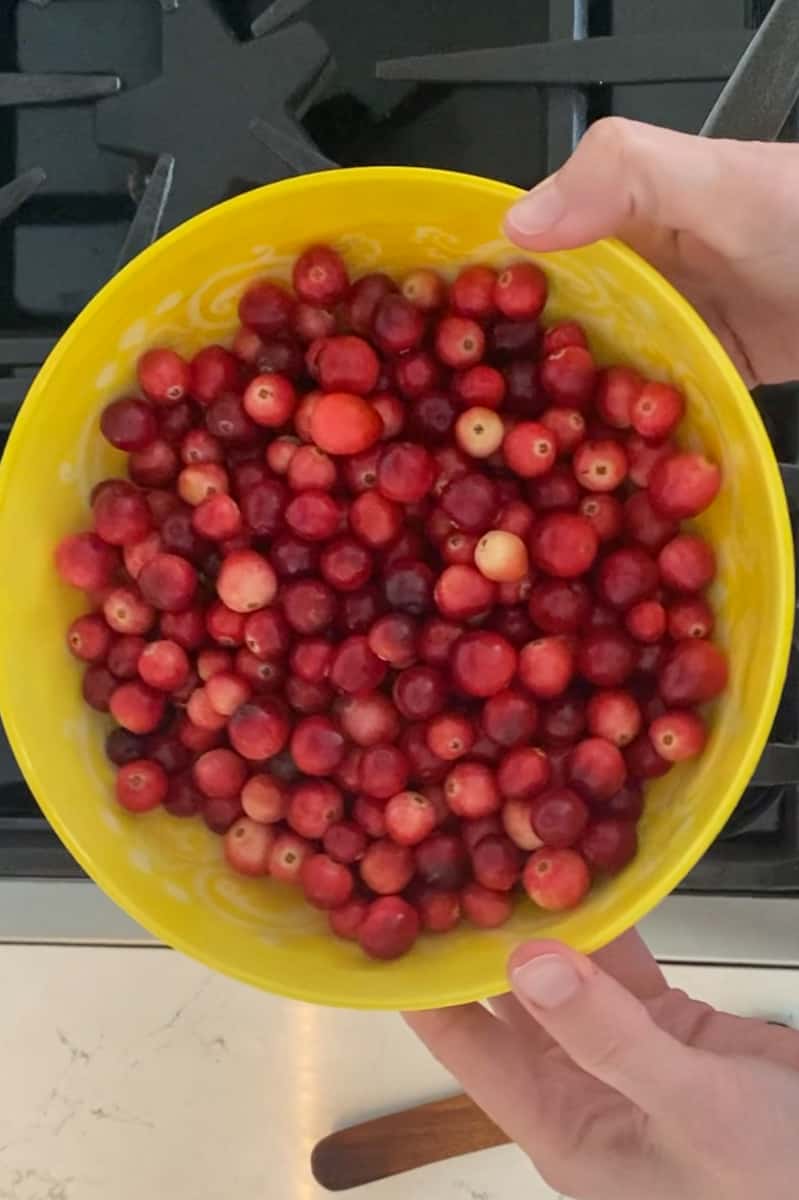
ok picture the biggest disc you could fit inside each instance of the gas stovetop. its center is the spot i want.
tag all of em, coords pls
(121, 118)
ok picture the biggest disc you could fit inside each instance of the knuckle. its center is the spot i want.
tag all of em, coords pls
(609, 136)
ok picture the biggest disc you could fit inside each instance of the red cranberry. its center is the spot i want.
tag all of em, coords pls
(471, 791)
(683, 485)
(89, 638)
(291, 556)
(433, 416)
(556, 490)
(262, 507)
(559, 817)
(314, 807)
(354, 668)
(483, 663)
(520, 291)
(419, 692)
(121, 516)
(345, 841)
(417, 373)
(471, 501)
(462, 592)
(406, 472)
(442, 862)
(606, 658)
(472, 292)
(643, 760)
(264, 799)
(597, 769)
(397, 324)
(266, 307)
(568, 377)
(389, 929)
(496, 863)
(562, 720)
(98, 686)
(563, 544)
(85, 562)
(523, 772)
(248, 847)
(387, 867)
(695, 672)
(480, 385)
(614, 716)
(516, 820)
(141, 785)
(129, 424)
(616, 392)
(214, 372)
(687, 563)
(408, 587)
(529, 449)
(609, 844)
(678, 735)
(393, 639)
(646, 621)
(560, 606)
(485, 908)
(326, 883)
(438, 911)
(309, 605)
(567, 425)
(691, 617)
(320, 276)
(137, 707)
(556, 879)
(163, 376)
(657, 410)
(643, 457)
(269, 399)
(259, 729)
(564, 333)
(450, 735)
(227, 420)
(365, 295)
(317, 746)
(410, 818)
(346, 920)
(627, 576)
(627, 804)
(313, 515)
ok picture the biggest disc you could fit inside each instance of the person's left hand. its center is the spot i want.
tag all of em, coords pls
(622, 1088)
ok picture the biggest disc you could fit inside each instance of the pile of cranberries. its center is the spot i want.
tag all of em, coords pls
(396, 596)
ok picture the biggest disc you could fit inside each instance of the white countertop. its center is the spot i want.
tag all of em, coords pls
(133, 1072)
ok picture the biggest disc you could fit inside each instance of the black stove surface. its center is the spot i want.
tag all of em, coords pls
(121, 118)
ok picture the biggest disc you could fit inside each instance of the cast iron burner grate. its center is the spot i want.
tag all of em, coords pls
(121, 118)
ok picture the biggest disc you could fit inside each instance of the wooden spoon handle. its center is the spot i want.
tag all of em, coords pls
(403, 1140)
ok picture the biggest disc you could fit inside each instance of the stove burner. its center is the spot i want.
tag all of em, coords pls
(207, 129)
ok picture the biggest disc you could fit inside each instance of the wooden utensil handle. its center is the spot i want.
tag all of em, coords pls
(403, 1140)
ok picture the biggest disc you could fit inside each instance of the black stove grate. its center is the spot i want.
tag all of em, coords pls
(120, 118)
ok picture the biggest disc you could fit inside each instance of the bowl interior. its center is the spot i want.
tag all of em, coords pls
(168, 873)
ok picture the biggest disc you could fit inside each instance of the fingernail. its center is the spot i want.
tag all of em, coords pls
(547, 981)
(540, 209)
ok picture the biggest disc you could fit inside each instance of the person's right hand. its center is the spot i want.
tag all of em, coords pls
(720, 219)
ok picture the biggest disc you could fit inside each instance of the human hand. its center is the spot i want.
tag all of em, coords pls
(718, 218)
(620, 1087)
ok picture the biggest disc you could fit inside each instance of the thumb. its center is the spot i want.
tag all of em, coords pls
(609, 1033)
(624, 172)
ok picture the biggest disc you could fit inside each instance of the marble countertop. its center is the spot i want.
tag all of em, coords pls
(134, 1072)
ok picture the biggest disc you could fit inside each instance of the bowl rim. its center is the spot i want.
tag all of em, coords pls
(437, 993)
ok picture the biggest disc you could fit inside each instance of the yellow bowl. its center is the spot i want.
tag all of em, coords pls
(167, 873)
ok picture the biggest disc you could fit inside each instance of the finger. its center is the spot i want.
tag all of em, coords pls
(609, 1033)
(630, 960)
(625, 173)
(491, 1064)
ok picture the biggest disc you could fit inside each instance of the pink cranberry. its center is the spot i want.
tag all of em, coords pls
(136, 707)
(529, 449)
(546, 666)
(248, 847)
(462, 592)
(288, 854)
(516, 819)
(450, 735)
(346, 920)
(264, 799)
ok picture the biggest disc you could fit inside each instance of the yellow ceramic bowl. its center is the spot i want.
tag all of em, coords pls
(167, 873)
